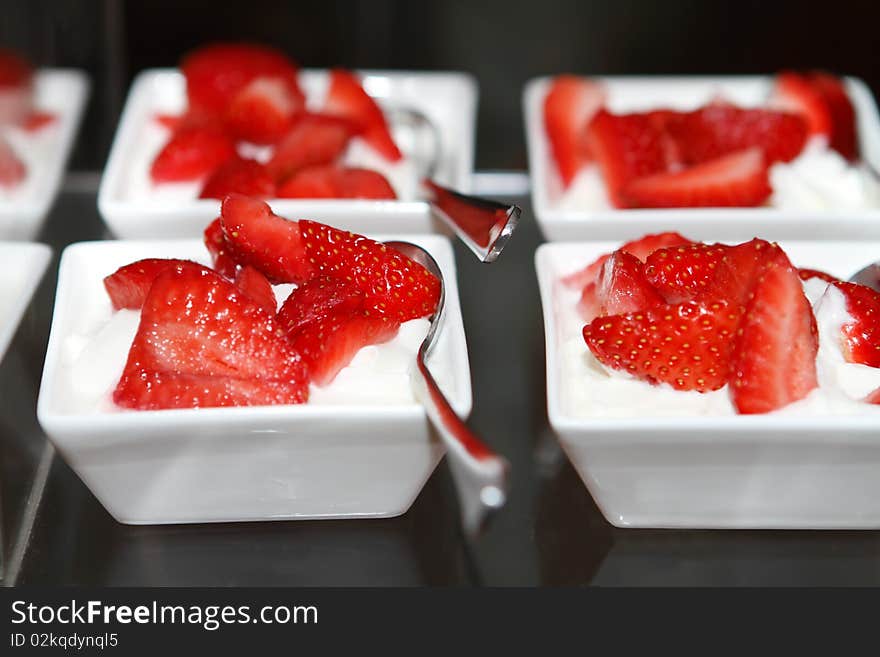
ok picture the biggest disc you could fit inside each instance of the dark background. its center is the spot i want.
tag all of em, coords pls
(502, 43)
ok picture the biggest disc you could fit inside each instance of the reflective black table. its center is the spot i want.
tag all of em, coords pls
(551, 533)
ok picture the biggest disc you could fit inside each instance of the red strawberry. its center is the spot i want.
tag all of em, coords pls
(328, 344)
(774, 357)
(263, 110)
(861, 336)
(588, 305)
(12, 169)
(843, 116)
(346, 98)
(193, 152)
(807, 274)
(873, 397)
(257, 287)
(681, 273)
(626, 147)
(686, 345)
(215, 242)
(640, 248)
(148, 390)
(15, 70)
(239, 176)
(739, 179)
(16, 88)
(217, 72)
(194, 322)
(36, 121)
(622, 287)
(720, 129)
(128, 286)
(794, 92)
(314, 139)
(316, 300)
(257, 237)
(331, 181)
(394, 285)
(568, 107)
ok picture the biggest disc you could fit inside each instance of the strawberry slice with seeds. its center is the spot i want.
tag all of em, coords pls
(12, 170)
(128, 286)
(569, 105)
(861, 336)
(239, 176)
(328, 344)
(720, 129)
(314, 139)
(736, 180)
(626, 147)
(316, 300)
(193, 152)
(394, 285)
(215, 242)
(347, 99)
(682, 273)
(331, 181)
(774, 357)
(685, 345)
(622, 286)
(263, 110)
(257, 288)
(256, 236)
(195, 322)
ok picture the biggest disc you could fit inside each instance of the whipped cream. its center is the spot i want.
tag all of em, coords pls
(588, 389)
(819, 178)
(93, 357)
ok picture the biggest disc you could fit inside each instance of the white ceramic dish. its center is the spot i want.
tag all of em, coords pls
(631, 94)
(25, 265)
(448, 99)
(62, 92)
(743, 471)
(235, 464)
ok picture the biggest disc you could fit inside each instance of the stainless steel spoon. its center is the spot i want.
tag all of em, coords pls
(868, 276)
(484, 226)
(480, 475)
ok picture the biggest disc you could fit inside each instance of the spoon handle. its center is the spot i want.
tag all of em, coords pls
(480, 475)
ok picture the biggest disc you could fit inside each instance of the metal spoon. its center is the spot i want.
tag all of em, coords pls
(479, 473)
(868, 276)
(484, 226)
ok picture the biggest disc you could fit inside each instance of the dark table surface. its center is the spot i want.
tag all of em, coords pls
(550, 532)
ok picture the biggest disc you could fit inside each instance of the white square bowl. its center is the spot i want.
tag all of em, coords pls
(247, 463)
(448, 99)
(24, 266)
(741, 471)
(63, 92)
(632, 94)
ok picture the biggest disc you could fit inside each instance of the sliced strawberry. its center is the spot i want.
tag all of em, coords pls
(774, 357)
(217, 72)
(640, 248)
(346, 98)
(313, 139)
(686, 345)
(168, 121)
(196, 322)
(736, 180)
(15, 70)
(622, 287)
(215, 242)
(193, 152)
(625, 148)
(861, 336)
(316, 300)
(36, 121)
(588, 305)
(795, 93)
(239, 176)
(844, 138)
(720, 129)
(569, 105)
(16, 88)
(148, 390)
(263, 110)
(682, 273)
(128, 286)
(12, 170)
(257, 287)
(331, 181)
(328, 344)
(394, 285)
(256, 236)
(873, 397)
(807, 274)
